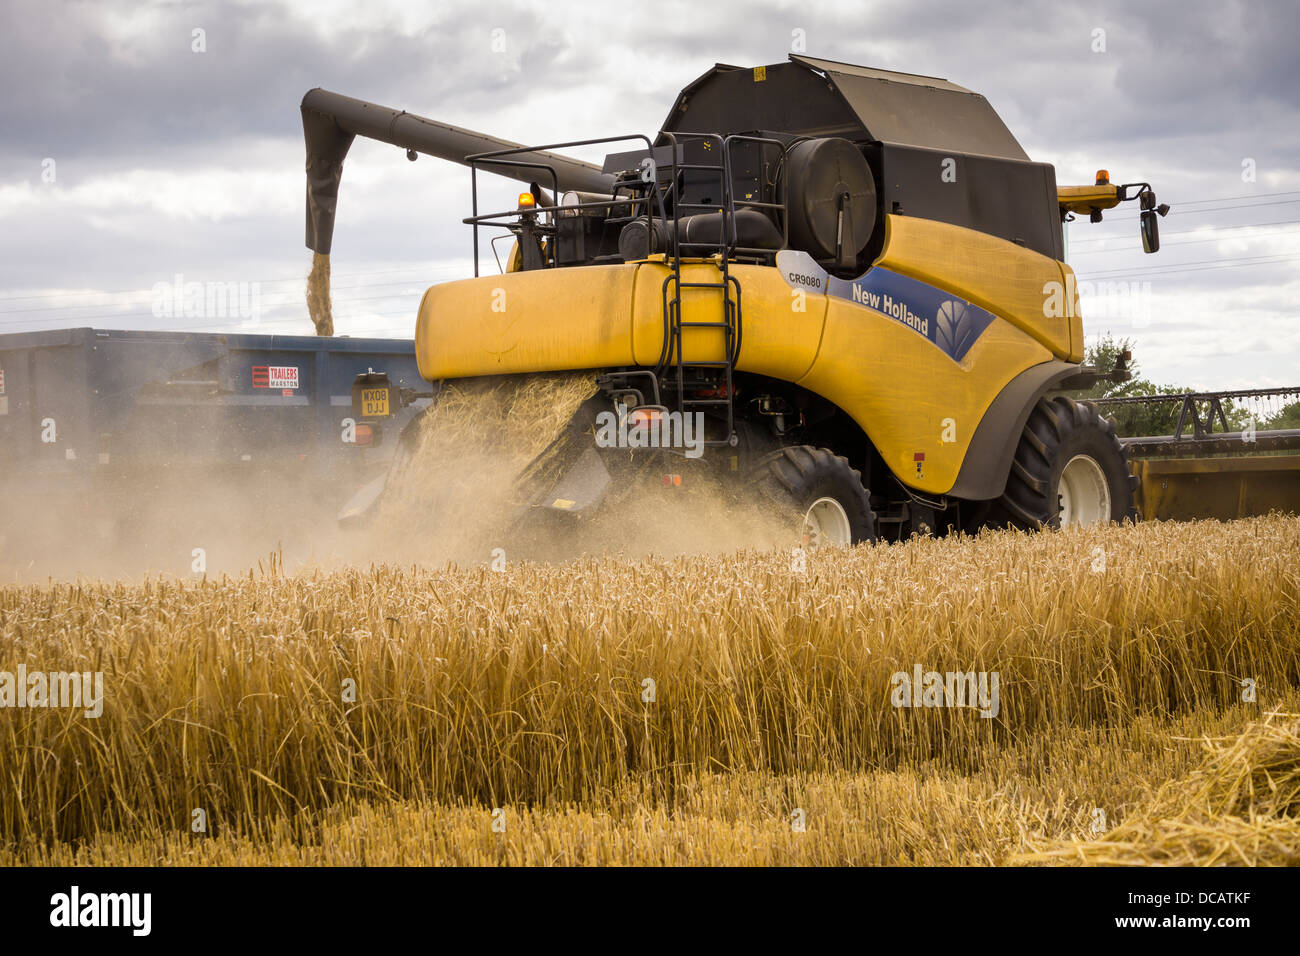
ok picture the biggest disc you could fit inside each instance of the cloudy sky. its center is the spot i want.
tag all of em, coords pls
(142, 141)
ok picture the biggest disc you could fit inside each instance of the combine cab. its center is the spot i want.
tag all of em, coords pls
(842, 285)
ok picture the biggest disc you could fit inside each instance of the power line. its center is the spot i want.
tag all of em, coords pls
(1127, 217)
(1205, 266)
(298, 278)
(302, 278)
(293, 296)
(1202, 262)
(1231, 265)
(345, 302)
(86, 319)
(1192, 242)
(337, 304)
(207, 326)
(1201, 202)
(1189, 232)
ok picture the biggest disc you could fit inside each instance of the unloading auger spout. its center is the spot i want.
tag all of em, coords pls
(330, 123)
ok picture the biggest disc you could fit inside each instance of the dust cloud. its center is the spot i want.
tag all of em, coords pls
(456, 496)
(453, 496)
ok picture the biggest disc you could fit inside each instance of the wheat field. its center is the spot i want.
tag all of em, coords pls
(713, 710)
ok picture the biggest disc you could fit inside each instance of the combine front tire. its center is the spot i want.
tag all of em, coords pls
(1070, 468)
(825, 490)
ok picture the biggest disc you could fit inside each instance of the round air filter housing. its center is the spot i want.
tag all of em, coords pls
(822, 176)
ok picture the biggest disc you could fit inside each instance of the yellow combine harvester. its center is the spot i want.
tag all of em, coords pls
(819, 278)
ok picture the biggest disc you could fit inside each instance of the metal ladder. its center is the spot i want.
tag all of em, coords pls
(687, 372)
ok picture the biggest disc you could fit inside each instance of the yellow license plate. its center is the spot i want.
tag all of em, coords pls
(374, 402)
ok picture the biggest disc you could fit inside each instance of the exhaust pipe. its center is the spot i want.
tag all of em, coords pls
(330, 122)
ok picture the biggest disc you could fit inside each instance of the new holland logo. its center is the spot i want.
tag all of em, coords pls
(951, 311)
(956, 324)
(956, 328)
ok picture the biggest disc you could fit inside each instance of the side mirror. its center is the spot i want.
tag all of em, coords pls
(1150, 223)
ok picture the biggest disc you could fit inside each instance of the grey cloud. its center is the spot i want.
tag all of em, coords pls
(1184, 92)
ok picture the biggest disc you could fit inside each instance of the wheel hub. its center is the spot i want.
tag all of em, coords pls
(826, 525)
(1083, 492)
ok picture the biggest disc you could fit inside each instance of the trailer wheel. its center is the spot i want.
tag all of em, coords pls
(822, 488)
(1070, 468)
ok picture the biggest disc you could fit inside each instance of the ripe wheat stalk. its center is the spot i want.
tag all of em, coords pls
(527, 687)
